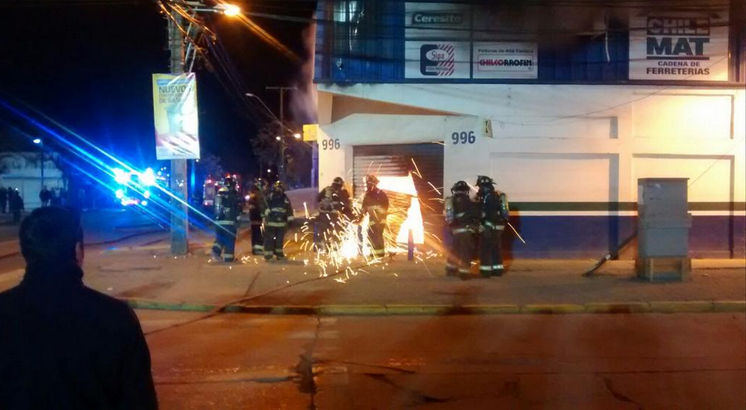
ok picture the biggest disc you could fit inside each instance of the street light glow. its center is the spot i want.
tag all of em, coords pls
(230, 10)
(37, 141)
(277, 138)
(296, 136)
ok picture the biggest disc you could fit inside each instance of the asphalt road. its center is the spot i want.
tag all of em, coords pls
(643, 361)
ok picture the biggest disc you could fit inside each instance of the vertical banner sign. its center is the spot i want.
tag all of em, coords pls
(679, 46)
(175, 115)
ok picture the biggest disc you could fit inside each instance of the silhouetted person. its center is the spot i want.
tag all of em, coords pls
(16, 205)
(45, 196)
(62, 344)
(56, 200)
(3, 199)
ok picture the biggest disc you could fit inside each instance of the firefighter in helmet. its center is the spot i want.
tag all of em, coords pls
(257, 206)
(462, 218)
(334, 210)
(277, 217)
(494, 215)
(227, 217)
(376, 206)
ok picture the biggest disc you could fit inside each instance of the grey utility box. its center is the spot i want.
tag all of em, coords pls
(663, 229)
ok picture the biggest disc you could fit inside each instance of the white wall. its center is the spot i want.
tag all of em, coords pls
(592, 140)
(22, 171)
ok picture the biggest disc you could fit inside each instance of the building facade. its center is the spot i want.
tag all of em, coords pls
(564, 105)
(22, 171)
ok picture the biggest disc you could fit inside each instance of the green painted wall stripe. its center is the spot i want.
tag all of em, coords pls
(618, 206)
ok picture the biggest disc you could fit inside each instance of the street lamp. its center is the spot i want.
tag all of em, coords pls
(40, 143)
(180, 216)
(296, 136)
(230, 10)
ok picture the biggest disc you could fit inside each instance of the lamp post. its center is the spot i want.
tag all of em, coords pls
(40, 143)
(178, 178)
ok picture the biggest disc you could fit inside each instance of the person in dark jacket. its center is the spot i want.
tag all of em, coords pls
(45, 196)
(494, 216)
(462, 217)
(277, 217)
(227, 217)
(62, 344)
(257, 206)
(3, 199)
(334, 211)
(16, 205)
(376, 206)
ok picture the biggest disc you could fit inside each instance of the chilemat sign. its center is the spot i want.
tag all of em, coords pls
(175, 116)
(679, 46)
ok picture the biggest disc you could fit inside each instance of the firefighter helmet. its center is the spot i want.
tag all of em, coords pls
(484, 180)
(229, 181)
(460, 186)
(280, 185)
(338, 181)
(371, 179)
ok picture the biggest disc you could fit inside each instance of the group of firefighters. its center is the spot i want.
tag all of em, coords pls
(270, 213)
(474, 224)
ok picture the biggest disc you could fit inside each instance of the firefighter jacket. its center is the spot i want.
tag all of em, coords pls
(227, 205)
(494, 212)
(376, 206)
(257, 206)
(464, 216)
(335, 201)
(279, 211)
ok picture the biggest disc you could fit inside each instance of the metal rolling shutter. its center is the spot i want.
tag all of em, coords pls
(397, 160)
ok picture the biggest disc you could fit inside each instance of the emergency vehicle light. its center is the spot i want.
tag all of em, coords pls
(121, 176)
(147, 178)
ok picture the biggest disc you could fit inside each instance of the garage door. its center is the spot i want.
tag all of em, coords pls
(399, 160)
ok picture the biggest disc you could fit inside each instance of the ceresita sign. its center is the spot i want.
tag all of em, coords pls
(419, 18)
(437, 21)
(679, 47)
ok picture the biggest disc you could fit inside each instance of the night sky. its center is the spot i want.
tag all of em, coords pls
(88, 65)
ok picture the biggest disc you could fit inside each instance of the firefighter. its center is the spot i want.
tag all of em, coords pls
(277, 217)
(334, 210)
(461, 217)
(227, 217)
(494, 215)
(376, 206)
(257, 206)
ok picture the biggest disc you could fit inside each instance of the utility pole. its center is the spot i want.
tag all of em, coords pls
(281, 164)
(178, 178)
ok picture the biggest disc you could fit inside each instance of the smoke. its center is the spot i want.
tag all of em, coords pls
(303, 101)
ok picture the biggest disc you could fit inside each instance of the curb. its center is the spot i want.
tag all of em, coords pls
(735, 306)
(553, 308)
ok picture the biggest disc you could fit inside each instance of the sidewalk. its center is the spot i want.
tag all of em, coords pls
(149, 277)
(101, 227)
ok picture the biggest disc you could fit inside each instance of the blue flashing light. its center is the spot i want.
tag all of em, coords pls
(147, 178)
(146, 194)
(119, 194)
(144, 203)
(121, 176)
